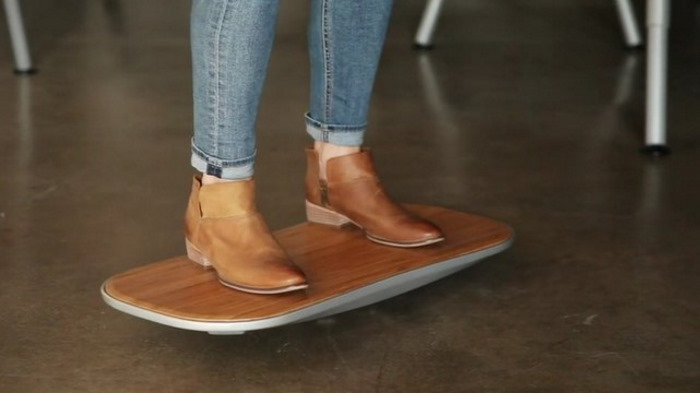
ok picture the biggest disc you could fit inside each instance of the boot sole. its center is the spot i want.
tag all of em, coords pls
(321, 215)
(197, 257)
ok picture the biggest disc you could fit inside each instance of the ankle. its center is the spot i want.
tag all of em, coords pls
(327, 151)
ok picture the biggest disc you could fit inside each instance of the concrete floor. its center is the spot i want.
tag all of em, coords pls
(530, 112)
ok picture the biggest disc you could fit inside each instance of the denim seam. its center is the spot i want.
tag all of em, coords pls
(328, 67)
(215, 100)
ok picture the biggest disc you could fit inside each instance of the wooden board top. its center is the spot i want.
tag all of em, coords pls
(336, 261)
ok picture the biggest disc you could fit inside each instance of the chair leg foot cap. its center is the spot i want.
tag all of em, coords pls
(28, 71)
(423, 47)
(655, 150)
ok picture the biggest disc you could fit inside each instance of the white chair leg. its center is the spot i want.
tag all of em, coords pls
(630, 28)
(426, 29)
(424, 35)
(658, 20)
(23, 62)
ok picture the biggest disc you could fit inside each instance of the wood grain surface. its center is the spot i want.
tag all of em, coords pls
(336, 261)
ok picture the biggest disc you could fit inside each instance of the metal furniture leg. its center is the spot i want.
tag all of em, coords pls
(658, 21)
(424, 35)
(630, 28)
(23, 62)
(428, 23)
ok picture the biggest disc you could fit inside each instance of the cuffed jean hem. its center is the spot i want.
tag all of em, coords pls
(223, 169)
(343, 135)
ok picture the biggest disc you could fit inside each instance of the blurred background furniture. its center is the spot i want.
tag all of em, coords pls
(657, 18)
(20, 48)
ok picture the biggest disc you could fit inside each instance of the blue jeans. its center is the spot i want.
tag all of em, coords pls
(231, 44)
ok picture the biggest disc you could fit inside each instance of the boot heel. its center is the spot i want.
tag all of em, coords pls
(320, 215)
(196, 256)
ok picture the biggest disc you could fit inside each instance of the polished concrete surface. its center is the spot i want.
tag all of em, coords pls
(529, 112)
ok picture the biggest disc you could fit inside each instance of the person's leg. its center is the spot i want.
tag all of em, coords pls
(231, 44)
(345, 44)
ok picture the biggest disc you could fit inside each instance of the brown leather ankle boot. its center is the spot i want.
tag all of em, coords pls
(224, 230)
(353, 194)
